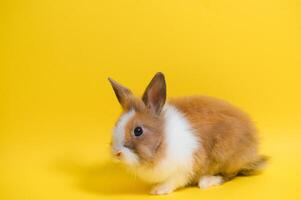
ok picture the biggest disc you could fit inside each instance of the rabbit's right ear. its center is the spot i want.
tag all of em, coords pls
(155, 93)
(122, 93)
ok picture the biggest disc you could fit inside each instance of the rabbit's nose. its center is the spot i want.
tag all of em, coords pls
(118, 154)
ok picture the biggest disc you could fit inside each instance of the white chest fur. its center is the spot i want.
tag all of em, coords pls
(181, 143)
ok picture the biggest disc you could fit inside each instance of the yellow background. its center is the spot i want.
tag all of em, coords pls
(57, 107)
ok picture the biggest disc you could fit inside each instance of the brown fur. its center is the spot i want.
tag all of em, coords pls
(228, 137)
(149, 146)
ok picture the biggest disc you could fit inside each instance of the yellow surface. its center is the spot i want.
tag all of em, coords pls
(57, 108)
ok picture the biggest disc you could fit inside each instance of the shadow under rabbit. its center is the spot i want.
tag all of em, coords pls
(103, 178)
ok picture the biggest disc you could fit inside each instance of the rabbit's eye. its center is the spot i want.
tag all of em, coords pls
(138, 131)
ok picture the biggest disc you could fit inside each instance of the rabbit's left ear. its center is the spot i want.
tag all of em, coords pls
(154, 96)
(122, 93)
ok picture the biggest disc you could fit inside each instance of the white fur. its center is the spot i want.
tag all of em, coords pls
(119, 130)
(128, 156)
(162, 189)
(209, 181)
(181, 143)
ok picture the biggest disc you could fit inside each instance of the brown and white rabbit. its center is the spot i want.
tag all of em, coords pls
(186, 141)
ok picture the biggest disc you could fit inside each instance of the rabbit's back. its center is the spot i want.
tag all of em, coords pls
(226, 134)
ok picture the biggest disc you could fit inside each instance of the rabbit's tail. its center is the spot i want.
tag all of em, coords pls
(255, 167)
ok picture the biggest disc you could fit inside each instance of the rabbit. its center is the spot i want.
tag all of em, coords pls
(196, 140)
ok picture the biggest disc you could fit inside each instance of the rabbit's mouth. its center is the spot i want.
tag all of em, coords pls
(126, 156)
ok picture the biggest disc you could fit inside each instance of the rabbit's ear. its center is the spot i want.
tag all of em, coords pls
(155, 93)
(122, 93)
